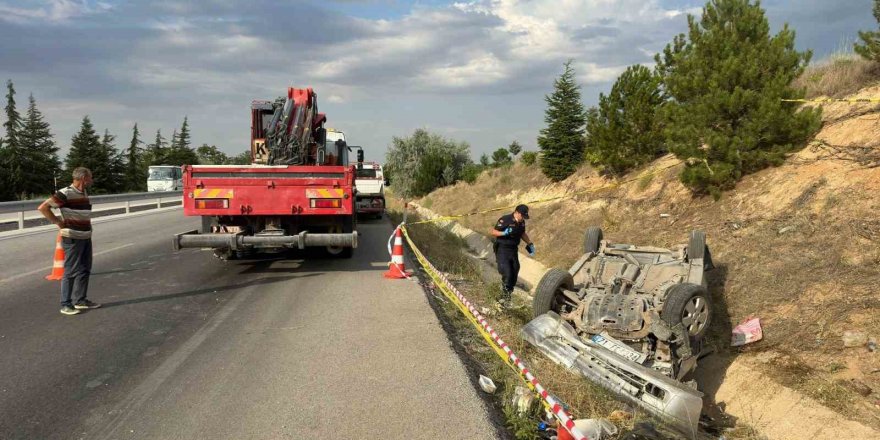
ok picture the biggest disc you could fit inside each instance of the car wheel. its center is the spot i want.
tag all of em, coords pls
(689, 305)
(548, 294)
(696, 245)
(592, 238)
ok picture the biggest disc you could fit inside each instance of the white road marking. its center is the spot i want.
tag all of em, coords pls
(49, 268)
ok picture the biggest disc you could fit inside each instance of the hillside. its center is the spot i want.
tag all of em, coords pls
(797, 245)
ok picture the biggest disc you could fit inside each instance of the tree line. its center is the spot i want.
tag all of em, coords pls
(30, 165)
(714, 98)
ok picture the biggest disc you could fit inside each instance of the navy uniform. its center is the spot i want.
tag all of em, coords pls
(506, 248)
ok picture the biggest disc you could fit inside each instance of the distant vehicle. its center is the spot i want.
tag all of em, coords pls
(370, 184)
(164, 178)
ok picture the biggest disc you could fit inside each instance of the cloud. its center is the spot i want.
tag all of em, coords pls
(477, 70)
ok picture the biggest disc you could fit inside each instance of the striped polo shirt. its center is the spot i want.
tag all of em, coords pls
(76, 212)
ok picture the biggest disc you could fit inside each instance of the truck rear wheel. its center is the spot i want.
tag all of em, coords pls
(340, 251)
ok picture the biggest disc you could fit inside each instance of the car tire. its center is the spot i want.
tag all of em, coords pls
(547, 294)
(696, 245)
(592, 239)
(689, 305)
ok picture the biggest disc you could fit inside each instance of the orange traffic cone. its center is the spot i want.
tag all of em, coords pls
(396, 269)
(58, 262)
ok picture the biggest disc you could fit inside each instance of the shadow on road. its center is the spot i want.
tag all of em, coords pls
(207, 290)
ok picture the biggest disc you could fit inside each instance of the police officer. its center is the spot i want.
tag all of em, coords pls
(508, 232)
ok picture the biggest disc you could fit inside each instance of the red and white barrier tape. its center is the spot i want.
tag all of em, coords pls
(561, 414)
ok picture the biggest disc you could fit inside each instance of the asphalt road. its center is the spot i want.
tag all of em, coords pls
(188, 347)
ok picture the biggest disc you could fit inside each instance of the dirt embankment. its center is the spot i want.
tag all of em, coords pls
(797, 245)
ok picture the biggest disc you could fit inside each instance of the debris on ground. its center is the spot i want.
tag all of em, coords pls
(487, 385)
(747, 332)
(854, 338)
(593, 429)
(619, 416)
(522, 399)
(860, 387)
(872, 345)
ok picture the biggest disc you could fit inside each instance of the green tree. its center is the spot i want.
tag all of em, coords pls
(243, 158)
(135, 165)
(181, 153)
(514, 148)
(624, 131)
(529, 158)
(870, 45)
(562, 141)
(86, 150)
(39, 152)
(114, 170)
(425, 161)
(13, 158)
(484, 159)
(501, 157)
(158, 150)
(726, 81)
(210, 155)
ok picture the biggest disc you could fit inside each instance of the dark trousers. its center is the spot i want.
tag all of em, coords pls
(77, 268)
(508, 267)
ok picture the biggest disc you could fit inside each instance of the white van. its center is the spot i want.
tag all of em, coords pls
(165, 178)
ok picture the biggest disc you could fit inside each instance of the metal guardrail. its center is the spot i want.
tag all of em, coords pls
(23, 206)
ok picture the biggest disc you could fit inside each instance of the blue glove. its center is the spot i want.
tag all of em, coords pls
(530, 248)
(507, 231)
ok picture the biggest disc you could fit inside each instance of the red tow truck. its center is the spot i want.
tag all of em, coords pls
(299, 191)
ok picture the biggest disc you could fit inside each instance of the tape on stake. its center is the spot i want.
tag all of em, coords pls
(494, 339)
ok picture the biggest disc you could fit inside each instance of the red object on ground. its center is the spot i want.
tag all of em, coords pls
(396, 269)
(58, 262)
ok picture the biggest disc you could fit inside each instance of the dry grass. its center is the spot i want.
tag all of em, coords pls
(838, 76)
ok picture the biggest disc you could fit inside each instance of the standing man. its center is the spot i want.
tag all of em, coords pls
(76, 239)
(508, 232)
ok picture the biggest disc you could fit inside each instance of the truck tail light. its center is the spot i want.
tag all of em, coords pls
(325, 203)
(212, 203)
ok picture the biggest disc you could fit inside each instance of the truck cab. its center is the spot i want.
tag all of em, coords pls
(370, 189)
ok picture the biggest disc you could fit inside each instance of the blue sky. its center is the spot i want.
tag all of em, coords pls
(472, 70)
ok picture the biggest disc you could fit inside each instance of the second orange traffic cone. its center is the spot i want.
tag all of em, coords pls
(396, 269)
(57, 262)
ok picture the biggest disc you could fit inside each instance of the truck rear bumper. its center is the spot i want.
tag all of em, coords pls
(193, 239)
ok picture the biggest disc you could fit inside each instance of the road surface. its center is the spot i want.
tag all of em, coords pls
(189, 347)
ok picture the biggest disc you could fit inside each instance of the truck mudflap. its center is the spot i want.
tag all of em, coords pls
(193, 239)
(670, 400)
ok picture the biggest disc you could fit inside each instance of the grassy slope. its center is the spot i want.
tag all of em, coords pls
(795, 245)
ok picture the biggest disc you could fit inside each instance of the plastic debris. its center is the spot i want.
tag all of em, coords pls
(872, 345)
(522, 399)
(593, 429)
(853, 338)
(747, 332)
(487, 385)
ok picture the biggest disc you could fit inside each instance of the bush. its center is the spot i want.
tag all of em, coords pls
(623, 132)
(529, 157)
(727, 80)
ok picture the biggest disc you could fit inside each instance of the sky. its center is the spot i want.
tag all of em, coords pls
(474, 71)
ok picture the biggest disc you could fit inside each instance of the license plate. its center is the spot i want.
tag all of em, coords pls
(619, 348)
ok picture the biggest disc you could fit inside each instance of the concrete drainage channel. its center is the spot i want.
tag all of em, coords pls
(747, 395)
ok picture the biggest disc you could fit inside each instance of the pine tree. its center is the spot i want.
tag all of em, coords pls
(501, 157)
(869, 49)
(181, 153)
(562, 141)
(13, 158)
(726, 81)
(484, 159)
(135, 166)
(86, 151)
(157, 151)
(40, 151)
(624, 131)
(114, 170)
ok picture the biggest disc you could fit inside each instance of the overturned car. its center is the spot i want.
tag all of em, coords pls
(631, 318)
